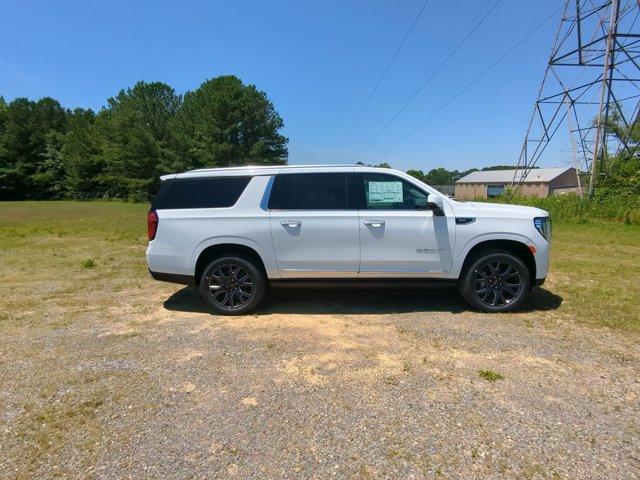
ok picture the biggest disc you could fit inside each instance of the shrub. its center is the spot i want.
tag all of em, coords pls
(490, 375)
(88, 263)
(621, 206)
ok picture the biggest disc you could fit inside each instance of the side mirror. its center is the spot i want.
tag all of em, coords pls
(436, 201)
(436, 204)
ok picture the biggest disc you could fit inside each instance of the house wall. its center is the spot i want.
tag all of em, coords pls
(564, 190)
(566, 182)
(446, 189)
(540, 189)
(468, 191)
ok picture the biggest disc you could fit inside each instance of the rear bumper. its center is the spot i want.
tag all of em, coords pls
(173, 278)
(540, 281)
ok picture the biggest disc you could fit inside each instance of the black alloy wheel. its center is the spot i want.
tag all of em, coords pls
(497, 283)
(232, 285)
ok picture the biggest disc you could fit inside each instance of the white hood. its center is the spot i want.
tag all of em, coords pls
(498, 209)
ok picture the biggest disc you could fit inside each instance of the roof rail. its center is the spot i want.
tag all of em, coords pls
(242, 167)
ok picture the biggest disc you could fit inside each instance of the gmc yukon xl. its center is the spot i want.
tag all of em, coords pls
(234, 232)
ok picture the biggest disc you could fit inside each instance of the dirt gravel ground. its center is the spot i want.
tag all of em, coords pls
(318, 384)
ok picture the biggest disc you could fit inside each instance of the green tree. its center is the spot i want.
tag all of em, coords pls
(143, 132)
(627, 134)
(28, 131)
(138, 142)
(622, 170)
(419, 174)
(438, 176)
(5, 165)
(82, 156)
(224, 122)
(48, 180)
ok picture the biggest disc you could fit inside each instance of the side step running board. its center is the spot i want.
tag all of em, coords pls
(364, 283)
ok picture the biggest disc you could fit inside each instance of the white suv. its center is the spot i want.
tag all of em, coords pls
(235, 231)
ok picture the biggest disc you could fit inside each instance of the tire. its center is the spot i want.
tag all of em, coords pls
(232, 285)
(496, 281)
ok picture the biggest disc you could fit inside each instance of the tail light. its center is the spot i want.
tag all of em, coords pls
(152, 224)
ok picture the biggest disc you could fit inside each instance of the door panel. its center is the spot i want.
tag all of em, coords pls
(316, 243)
(314, 233)
(403, 242)
(400, 235)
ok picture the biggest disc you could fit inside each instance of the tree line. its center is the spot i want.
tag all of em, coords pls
(49, 152)
(442, 176)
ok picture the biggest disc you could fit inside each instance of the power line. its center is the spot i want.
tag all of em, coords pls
(434, 72)
(382, 75)
(471, 83)
(373, 53)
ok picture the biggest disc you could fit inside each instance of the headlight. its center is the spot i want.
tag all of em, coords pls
(543, 225)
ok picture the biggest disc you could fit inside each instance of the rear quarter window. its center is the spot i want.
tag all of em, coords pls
(183, 193)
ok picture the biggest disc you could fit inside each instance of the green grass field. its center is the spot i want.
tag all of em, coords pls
(93, 352)
(62, 259)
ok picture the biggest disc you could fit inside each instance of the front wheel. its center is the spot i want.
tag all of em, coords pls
(495, 282)
(232, 285)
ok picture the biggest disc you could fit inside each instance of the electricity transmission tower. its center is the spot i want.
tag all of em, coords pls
(590, 89)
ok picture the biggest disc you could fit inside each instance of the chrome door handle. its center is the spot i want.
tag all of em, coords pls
(374, 223)
(291, 223)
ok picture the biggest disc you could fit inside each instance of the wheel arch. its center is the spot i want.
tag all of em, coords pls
(515, 247)
(219, 249)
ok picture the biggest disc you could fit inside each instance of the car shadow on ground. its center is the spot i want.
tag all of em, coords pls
(357, 301)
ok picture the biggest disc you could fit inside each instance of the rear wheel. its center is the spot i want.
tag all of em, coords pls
(496, 281)
(232, 285)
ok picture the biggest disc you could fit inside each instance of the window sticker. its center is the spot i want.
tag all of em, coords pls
(385, 192)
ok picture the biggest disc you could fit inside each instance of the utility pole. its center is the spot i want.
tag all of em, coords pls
(605, 92)
(574, 153)
(592, 78)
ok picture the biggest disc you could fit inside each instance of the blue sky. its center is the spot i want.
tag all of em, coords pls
(308, 57)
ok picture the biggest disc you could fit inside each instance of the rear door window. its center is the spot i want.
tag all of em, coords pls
(310, 191)
(219, 192)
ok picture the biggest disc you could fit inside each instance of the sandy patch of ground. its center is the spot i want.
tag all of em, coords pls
(318, 385)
